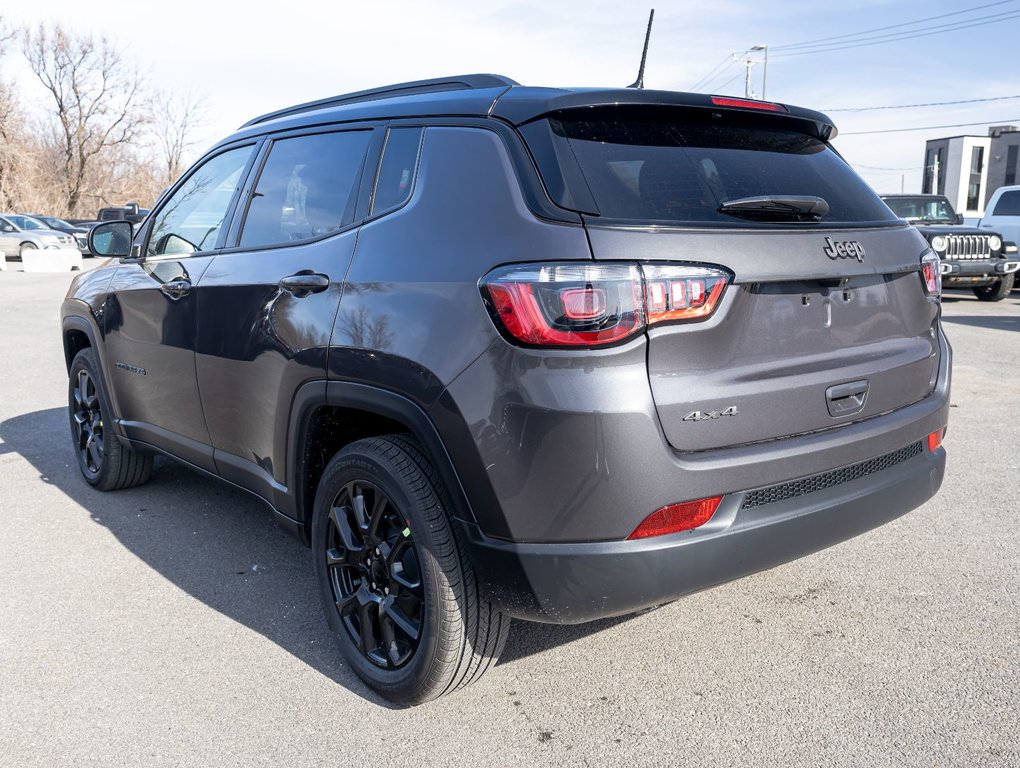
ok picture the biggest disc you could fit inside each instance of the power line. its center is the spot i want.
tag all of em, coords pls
(890, 26)
(894, 38)
(727, 59)
(735, 77)
(932, 127)
(926, 104)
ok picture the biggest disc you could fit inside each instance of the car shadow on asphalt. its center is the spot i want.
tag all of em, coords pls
(222, 547)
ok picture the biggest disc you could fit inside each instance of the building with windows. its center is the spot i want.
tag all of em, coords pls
(968, 169)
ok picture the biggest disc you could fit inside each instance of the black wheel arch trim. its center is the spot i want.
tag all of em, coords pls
(71, 321)
(381, 402)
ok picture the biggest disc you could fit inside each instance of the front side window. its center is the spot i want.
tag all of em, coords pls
(27, 222)
(190, 221)
(307, 188)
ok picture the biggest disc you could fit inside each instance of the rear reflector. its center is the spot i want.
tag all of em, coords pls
(935, 439)
(674, 518)
(768, 106)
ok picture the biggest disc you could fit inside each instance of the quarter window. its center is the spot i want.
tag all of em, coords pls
(307, 188)
(396, 174)
(190, 221)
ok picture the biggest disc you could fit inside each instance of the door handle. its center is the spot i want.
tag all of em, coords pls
(305, 283)
(176, 289)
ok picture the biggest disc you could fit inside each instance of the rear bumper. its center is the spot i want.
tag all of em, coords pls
(578, 582)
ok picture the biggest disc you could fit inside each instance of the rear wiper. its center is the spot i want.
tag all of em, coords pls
(780, 207)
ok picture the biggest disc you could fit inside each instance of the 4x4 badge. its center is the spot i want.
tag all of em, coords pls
(843, 249)
(706, 415)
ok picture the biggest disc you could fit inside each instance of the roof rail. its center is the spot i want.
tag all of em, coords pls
(454, 83)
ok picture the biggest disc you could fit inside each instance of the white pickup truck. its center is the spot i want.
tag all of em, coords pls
(1003, 213)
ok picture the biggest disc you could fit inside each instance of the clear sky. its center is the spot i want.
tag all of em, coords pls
(250, 58)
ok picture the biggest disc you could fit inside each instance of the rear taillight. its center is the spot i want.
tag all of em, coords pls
(674, 518)
(931, 275)
(935, 439)
(572, 305)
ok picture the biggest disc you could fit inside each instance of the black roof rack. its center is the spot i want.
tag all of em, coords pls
(454, 83)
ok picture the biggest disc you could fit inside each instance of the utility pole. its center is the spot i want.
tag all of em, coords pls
(765, 66)
(748, 63)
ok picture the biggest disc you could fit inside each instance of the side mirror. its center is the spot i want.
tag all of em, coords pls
(131, 209)
(111, 238)
(959, 218)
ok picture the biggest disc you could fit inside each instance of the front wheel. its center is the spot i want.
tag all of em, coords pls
(997, 291)
(396, 582)
(105, 462)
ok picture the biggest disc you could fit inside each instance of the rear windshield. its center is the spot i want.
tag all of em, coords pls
(679, 167)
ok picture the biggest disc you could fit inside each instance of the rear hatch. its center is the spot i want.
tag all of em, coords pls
(826, 320)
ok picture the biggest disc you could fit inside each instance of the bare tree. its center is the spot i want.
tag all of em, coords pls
(98, 98)
(175, 116)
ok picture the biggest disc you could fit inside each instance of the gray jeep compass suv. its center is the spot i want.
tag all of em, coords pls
(496, 351)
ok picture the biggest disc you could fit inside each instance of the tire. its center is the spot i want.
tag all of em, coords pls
(356, 549)
(26, 247)
(998, 290)
(105, 462)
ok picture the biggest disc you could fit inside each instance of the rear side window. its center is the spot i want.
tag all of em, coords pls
(679, 166)
(308, 187)
(396, 174)
(1008, 205)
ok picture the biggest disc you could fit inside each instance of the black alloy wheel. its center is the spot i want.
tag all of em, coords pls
(396, 578)
(106, 462)
(375, 574)
(87, 417)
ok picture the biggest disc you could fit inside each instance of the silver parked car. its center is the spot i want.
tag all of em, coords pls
(23, 233)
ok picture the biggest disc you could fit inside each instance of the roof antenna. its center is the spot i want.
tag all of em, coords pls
(640, 82)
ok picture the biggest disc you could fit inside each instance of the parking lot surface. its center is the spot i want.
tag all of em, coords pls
(175, 624)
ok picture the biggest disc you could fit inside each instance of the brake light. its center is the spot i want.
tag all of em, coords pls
(674, 518)
(931, 276)
(935, 439)
(768, 106)
(569, 305)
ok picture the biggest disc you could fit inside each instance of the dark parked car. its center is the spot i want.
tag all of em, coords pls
(496, 351)
(129, 212)
(79, 233)
(969, 257)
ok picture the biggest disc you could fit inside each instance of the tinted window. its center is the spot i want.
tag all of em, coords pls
(680, 166)
(190, 220)
(1008, 205)
(396, 174)
(307, 188)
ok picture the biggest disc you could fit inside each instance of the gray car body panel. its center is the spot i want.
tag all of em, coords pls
(560, 453)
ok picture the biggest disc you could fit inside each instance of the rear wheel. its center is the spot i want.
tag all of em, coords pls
(27, 248)
(396, 582)
(105, 462)
(997, 291)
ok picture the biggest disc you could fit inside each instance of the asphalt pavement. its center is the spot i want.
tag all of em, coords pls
(175, 624)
